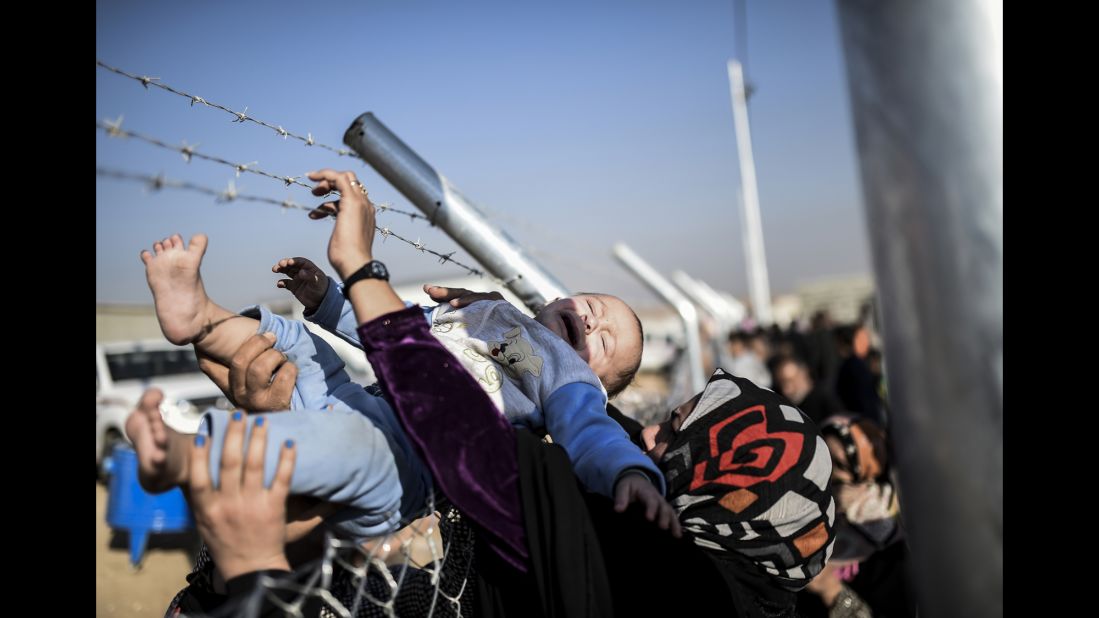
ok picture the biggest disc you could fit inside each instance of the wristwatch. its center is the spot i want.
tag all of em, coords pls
(371, 270)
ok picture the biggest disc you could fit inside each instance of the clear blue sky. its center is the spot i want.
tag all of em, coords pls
(580, 123)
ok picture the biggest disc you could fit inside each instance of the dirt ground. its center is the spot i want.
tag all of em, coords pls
(120, 590)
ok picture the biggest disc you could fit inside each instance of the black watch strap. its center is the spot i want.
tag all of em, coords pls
(371, 270)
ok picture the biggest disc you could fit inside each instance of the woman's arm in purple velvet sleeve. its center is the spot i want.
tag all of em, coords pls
(468, 445)
(470, 448)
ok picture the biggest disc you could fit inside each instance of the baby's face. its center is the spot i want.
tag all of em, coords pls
(602, 329)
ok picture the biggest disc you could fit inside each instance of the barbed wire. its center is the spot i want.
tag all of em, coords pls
(238, 116)
(113, 128)
(158, 182)
(228, 195)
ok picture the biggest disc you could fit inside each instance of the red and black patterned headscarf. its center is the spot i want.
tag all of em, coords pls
(749, 473)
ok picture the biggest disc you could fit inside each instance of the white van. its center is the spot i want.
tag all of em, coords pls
(124, 369)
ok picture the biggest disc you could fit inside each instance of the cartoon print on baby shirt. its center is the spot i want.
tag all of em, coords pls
(516, 354)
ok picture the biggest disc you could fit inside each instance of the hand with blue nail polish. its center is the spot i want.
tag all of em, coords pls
(242, 522)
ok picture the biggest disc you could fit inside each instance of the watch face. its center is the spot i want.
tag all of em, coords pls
(378, 270)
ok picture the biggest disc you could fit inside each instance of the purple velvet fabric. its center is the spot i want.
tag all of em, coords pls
(468, 445)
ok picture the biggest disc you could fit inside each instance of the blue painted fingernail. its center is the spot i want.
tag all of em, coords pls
(259, 421)
(236, 415)
(200, 441)
(289, 444)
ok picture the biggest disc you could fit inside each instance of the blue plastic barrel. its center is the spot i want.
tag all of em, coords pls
(131, 508)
